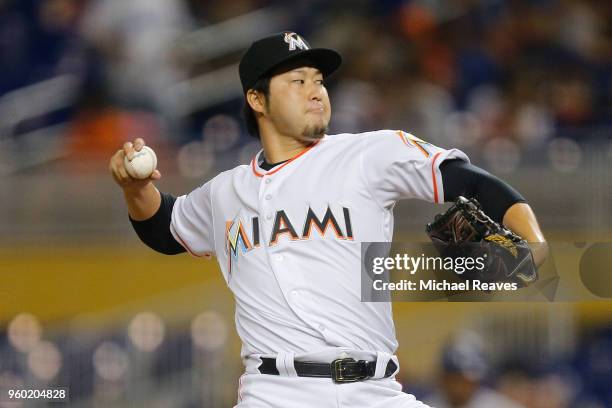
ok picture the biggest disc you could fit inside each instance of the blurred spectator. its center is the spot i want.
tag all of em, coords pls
(136, 39)
(533, 386)
(98, 131)
(42, 62)
(517, 380)
(37, 40)
(463, 370)
(594, 367)
(457, 74)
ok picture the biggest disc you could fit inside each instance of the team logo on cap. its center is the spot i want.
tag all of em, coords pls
(295, 41)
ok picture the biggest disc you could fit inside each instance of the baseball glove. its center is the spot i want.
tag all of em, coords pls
(464, 230)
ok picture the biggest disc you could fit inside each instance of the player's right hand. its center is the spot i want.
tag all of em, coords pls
(117, 167)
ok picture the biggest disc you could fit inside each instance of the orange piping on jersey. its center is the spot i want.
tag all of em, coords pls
(282, 165)
(401, 135)
(417, 144)
(433, 176)
(408, 141)
(187, 247)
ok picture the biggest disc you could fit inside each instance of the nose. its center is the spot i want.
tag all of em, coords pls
(316, 94)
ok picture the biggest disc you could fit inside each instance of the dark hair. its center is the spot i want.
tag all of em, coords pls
(262, 85)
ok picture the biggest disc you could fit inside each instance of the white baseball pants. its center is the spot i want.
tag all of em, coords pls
(277, 391)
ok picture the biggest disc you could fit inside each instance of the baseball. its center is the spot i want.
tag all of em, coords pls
(142, 164)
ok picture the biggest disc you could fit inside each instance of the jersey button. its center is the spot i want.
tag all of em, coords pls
(268, 197)
(269, 216)
(268, 181)
(321, 327)
(279, 257)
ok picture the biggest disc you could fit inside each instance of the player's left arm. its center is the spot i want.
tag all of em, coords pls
(521, 220)
(498, 199)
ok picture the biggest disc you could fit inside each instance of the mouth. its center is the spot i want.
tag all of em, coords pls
(317, 110)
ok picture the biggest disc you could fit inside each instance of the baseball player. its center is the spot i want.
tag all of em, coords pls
(286, 231)
(463, 370)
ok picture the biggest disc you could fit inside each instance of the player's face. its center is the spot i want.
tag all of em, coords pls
(298, 103)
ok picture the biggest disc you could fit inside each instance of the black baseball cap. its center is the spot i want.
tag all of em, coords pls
(268, 53)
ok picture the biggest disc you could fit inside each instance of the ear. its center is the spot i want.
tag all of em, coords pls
(256, 101)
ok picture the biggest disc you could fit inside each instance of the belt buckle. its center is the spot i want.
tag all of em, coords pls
(338, 368)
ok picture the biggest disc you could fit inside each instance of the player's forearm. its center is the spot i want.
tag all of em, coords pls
(142, 202)
(522, 221)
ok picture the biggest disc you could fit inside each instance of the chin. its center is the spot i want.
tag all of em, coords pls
(313, 133)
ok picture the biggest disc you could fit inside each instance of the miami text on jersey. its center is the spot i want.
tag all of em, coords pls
(237, 238)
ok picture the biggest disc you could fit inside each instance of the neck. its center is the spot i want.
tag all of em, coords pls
(278, 147)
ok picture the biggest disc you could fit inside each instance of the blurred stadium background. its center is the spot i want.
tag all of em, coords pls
(523, 86)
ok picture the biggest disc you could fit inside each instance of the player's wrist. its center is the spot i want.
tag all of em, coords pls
(142, 203)
(138, 188)
(539, 252)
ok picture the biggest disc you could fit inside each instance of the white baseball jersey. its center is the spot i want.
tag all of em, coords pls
(288, 240)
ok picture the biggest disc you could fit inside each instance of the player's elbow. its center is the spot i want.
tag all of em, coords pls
(169, 249)
(162, 243)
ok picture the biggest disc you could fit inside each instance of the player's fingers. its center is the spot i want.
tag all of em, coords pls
(128, 148)
(116, 173)
(118, 178)
(115, 161)
(138, 143)
(156, 175)
(117, 168)
(120, 174)
(125, 177)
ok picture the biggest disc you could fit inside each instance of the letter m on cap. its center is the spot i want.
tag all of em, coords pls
(295, 41)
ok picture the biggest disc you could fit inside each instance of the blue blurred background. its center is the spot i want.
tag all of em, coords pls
(523, 86)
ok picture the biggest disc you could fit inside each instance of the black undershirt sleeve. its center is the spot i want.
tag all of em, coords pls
(464, 179)
(155, 231)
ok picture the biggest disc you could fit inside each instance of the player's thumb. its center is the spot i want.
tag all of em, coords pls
(156, 175)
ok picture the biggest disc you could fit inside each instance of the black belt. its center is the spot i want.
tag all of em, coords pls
(342, 370)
